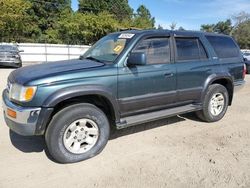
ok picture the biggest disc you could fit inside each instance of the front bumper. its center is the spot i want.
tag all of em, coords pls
(15, 64)
(26, 119)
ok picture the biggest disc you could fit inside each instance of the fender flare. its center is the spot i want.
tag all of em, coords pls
(77, 91)
(212, 78)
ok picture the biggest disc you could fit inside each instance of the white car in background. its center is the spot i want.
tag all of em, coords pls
(246, 54)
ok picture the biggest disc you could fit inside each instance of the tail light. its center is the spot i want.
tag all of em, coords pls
(244, 71)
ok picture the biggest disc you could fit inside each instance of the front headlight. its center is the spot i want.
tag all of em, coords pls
(22, 93)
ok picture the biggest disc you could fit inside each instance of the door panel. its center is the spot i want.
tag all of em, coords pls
(146, 87)
(193, 67)
(191, 78)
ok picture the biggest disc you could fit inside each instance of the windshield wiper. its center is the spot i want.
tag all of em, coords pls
(94, 59)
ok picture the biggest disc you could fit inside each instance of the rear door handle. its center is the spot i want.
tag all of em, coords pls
(168, 75)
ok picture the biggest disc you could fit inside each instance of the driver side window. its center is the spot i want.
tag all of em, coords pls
(157, 50)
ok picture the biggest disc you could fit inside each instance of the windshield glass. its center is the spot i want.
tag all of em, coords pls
(108, 48)
(7, 48)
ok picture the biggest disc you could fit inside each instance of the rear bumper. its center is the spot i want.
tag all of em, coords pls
(239, 85)
(28, 121)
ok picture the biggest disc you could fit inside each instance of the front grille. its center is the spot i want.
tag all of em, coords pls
(7, 55)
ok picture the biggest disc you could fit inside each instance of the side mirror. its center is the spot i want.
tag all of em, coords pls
(137, 58)
(245, 59)
(21, 50)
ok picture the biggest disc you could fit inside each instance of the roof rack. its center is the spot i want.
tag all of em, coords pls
(129, 29)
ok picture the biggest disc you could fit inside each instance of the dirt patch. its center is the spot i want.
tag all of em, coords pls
(176, 152)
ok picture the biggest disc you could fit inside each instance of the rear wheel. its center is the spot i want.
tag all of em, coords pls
(215, 104)
(76, 133)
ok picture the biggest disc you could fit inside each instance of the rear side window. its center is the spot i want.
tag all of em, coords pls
(189, 49)
(157, 50)
(224, 46)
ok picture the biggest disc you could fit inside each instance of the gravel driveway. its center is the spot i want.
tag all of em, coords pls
(175, 152)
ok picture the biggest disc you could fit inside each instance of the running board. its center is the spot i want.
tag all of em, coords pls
(152, 116)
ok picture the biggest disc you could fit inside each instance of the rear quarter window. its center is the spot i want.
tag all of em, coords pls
(189, 49)
(224, 46)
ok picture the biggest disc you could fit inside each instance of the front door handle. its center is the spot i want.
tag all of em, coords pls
(168, 75)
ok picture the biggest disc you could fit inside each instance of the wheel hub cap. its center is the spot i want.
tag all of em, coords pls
(216, 104)
(80, 136)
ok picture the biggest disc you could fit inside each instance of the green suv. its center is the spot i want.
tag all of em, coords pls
(126, 78)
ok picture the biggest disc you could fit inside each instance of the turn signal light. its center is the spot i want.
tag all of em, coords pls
(11, 113)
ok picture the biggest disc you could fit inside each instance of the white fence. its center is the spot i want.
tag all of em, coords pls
(34, 52)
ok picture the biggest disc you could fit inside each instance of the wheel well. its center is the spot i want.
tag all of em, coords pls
(228, 85)
(97, 100)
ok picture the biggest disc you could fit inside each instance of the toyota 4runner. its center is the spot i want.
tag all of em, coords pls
(126, 78)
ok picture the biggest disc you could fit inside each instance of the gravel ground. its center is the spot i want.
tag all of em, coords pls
(176, 152)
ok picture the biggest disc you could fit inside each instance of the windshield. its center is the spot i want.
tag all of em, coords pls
(8, 48)
(108, 48)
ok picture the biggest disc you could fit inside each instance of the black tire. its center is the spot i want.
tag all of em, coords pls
(205, 113)
(58, 125)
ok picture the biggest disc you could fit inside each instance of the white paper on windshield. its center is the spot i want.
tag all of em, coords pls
(126, 36)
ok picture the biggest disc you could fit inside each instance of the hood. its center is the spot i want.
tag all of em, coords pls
(34, 72)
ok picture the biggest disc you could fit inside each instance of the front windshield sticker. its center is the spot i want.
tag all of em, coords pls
(118, 48)
(126, 36)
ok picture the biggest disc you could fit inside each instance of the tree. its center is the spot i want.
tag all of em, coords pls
(53, 21)
(47, 13)
(14, 20)
(241, 17)
(120, 9)
(143, 18)
(224, 27)
(242, 34)
(207, 27)
(173, 25)
(241, 30)
(181, 29)
(160, 27)
(87, 28)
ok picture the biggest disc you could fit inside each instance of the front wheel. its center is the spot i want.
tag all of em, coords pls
(215, 104)
(76, 133)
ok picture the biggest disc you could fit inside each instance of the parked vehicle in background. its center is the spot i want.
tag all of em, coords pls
(246, 54)
(247, 63)
(10, 56)
(126, 78)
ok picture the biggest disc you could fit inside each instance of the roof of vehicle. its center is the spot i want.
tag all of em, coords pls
(158, 31)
